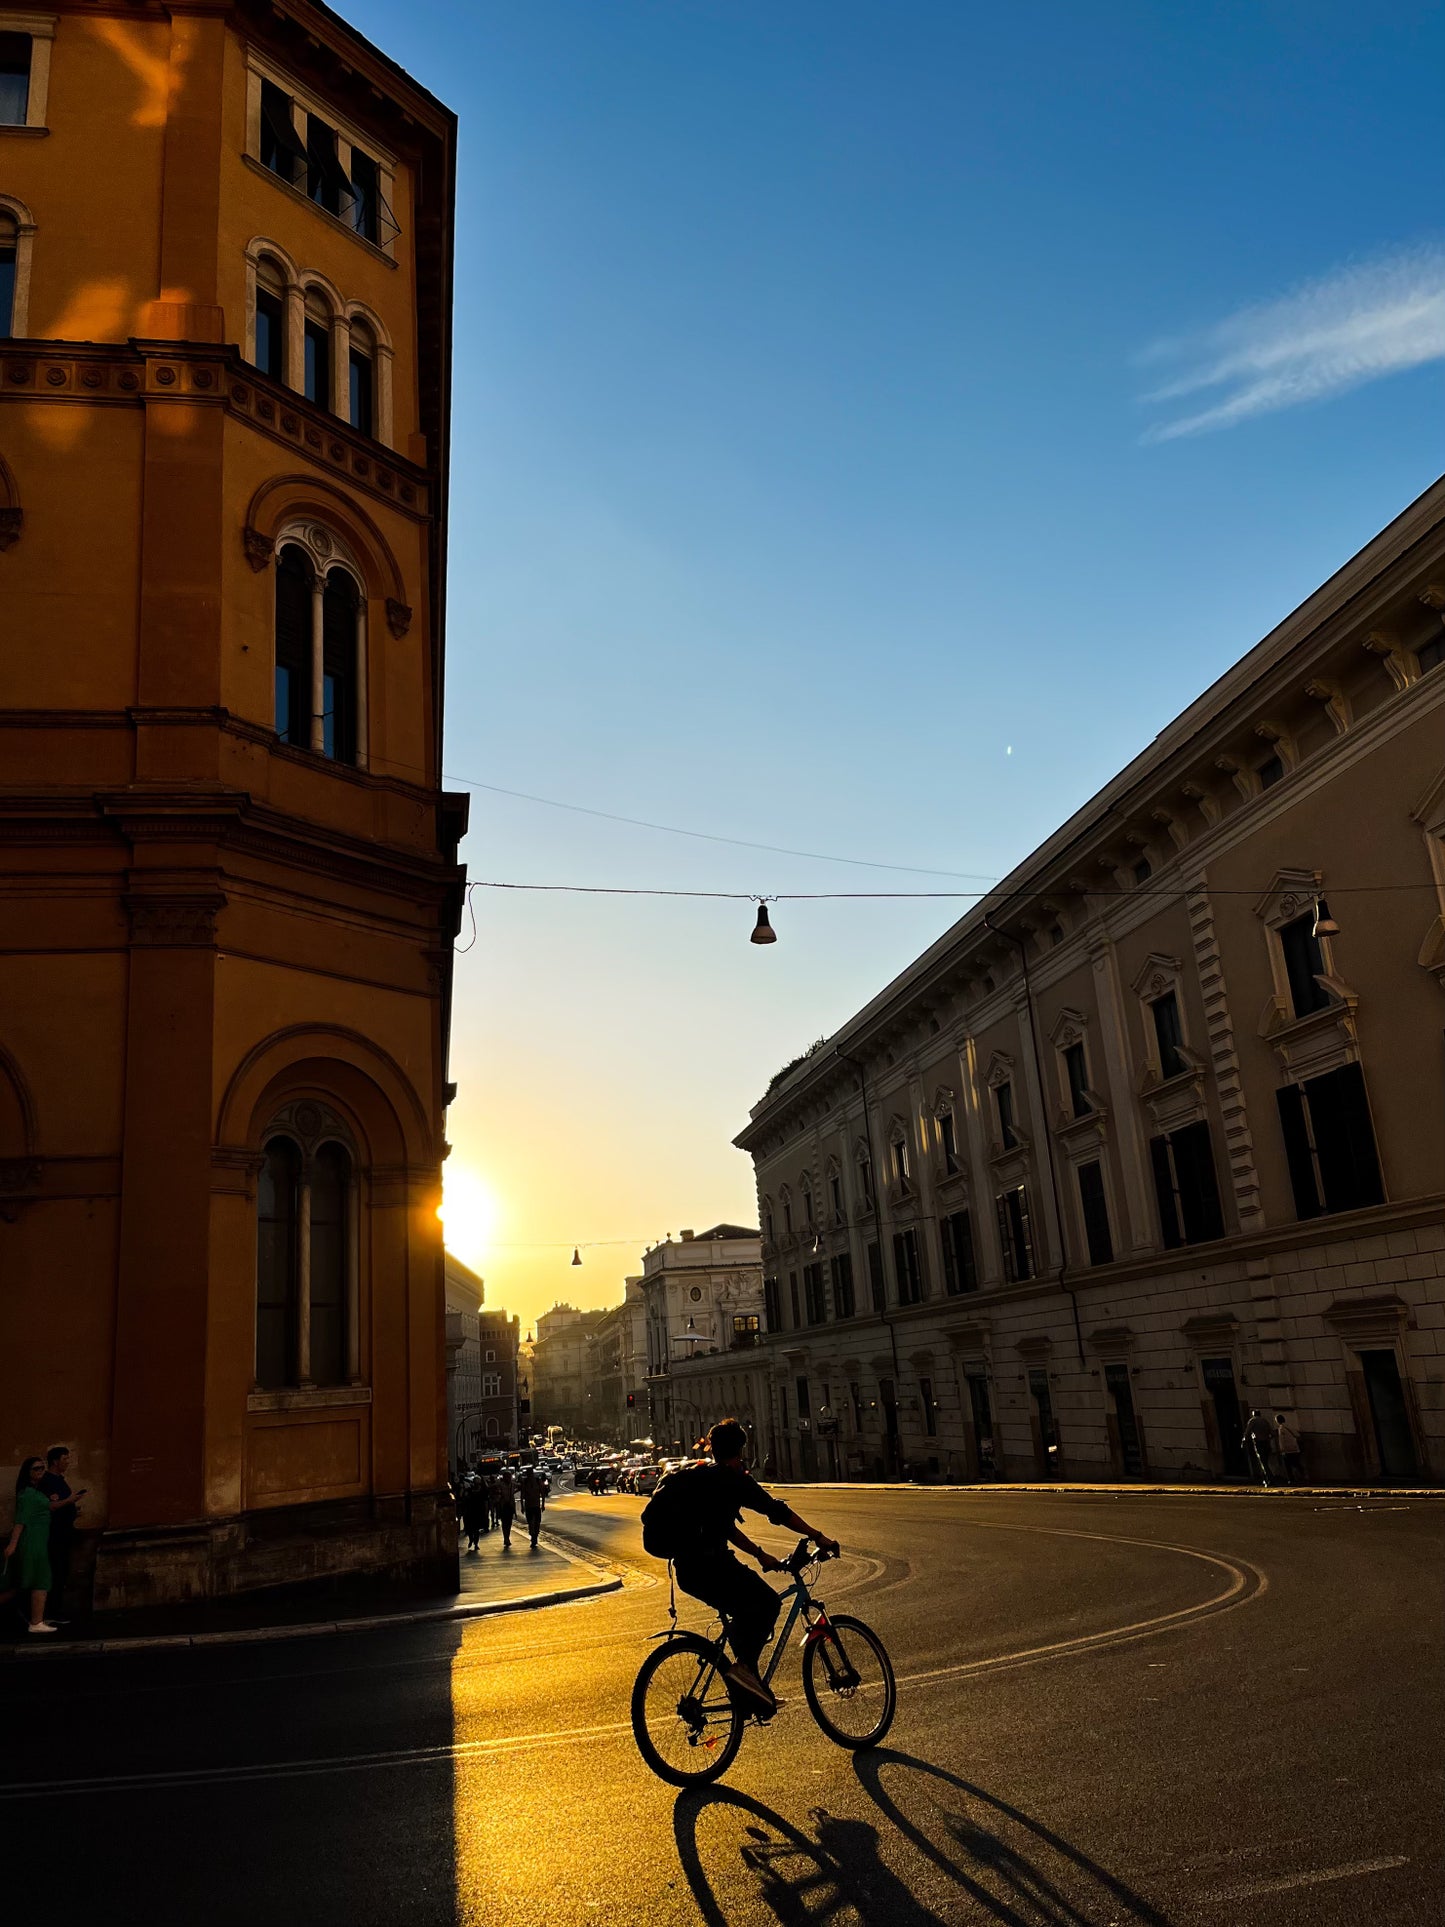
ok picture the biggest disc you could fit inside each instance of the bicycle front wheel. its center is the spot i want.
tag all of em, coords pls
(685, 1724)
(849, 1685)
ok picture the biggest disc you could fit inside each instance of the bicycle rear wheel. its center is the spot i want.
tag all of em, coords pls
(849, 1685)
(685, 1724)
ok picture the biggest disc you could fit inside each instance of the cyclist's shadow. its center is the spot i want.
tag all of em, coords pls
(1014, 1868)
(813, 1879)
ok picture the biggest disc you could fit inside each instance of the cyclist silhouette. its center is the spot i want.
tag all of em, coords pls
(716, 1497)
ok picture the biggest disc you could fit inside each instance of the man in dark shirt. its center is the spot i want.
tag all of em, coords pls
(63, 1504)
(717, 1495)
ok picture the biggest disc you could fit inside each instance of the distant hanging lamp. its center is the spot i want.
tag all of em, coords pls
(763, 931)
(576, 1255)
(1324, 924)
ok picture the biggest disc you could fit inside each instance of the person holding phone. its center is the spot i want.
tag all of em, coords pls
(64, 1504)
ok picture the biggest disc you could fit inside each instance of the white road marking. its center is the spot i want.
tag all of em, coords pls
(1319, 1877)
(1238, 1593)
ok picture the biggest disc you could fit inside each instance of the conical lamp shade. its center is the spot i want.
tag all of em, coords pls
(763, 931)
(1325, 925)
(576, 1255)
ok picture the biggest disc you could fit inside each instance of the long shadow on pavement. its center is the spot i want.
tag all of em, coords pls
(803, 1880)
(1017, 1870)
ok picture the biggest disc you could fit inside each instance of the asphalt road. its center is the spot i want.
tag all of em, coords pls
(1112, 1710)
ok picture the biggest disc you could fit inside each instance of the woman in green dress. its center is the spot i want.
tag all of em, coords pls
(27, 1554)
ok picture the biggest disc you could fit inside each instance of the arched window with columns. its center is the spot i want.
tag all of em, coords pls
(321, 645)
(308, 1312)
(300, 330)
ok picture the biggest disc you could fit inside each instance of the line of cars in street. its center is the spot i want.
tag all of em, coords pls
(621, 1472)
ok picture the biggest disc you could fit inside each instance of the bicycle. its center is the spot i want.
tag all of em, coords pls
(688, 1728)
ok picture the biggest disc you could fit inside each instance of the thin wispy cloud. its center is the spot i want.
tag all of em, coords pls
(1364, 321)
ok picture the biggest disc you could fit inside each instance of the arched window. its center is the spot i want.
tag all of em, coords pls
(307, 1262)
(493, 1428)
(361, 371)
(294, 579)
(321, 646)
(17, 234)
(270, 343)
(340, 602)
(330, 1213)
(316, 375)
(9, 251)
(277, 1263)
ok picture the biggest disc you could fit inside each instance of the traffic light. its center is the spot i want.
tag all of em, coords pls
(631, 1401)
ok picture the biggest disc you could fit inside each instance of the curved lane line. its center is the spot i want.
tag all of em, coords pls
(1238, 1592)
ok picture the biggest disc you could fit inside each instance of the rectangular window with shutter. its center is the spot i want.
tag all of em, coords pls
(844, 1304)
(282, 149)
(876, 1288)
(793, 1299)
(772, 1304)
(960, 1268)
(1185, 1186)
(1015, 1235)
(1329, 1138)
(1304, 965)
(1096, 1214)
(815, 1300)
(1168, 1035)
(907, 1268)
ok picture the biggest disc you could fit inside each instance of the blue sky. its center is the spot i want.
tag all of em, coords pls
(804, 468)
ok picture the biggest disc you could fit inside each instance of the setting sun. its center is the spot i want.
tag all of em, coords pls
(469, 1211)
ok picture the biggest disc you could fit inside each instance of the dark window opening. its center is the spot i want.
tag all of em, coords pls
(805, 1403)
(1143, 870)
(293, 648)
(907, 1267)
(363, 413)
(317, 379)
(1329, 1137)
(1270, 771)
(898, 1152)
(1015, 1234)
(7, 284)
(960, 1268)
(877, 1291)
(772, 1304)
(282, 149)
(815, 1300)
(930, 1407)
(1042, 1395)
(808, 1204)
(835, 1193)
(1078, 1075)
(270, 334)
(326, 181)
(949, 1142)
(338, 679)
(1003, 1097)
(844, 1302)
(15, 51)
(865, 1176)
(1096, 1214)
(1169, 1035)
(278, 1268)
(1056, 934)
(1304, 964)
(330, 1195)
(1185, 1186)
(365, 196)
(793, 1299)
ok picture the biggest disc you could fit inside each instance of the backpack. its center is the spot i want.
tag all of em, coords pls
(669, 1519)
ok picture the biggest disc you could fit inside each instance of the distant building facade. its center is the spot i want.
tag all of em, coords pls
(619, 1367)
(1147, 1140)
(482, 1369)
(562, 1373)
(702, 1297)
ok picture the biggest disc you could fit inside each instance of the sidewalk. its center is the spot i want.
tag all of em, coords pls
(493, 1581)
(1179, 1489)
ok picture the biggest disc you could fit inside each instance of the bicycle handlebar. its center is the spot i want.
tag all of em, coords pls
(802, 1556)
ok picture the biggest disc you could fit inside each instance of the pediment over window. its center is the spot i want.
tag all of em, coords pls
(1158, 973)
(944, 1099)
(1000, 1070)
(1292, 892)
(1068, 1028)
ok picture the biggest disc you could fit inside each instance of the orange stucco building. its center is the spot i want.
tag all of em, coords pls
(228, 876)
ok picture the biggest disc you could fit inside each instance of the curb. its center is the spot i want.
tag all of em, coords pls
(1134, 1489)
(373, 1622)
